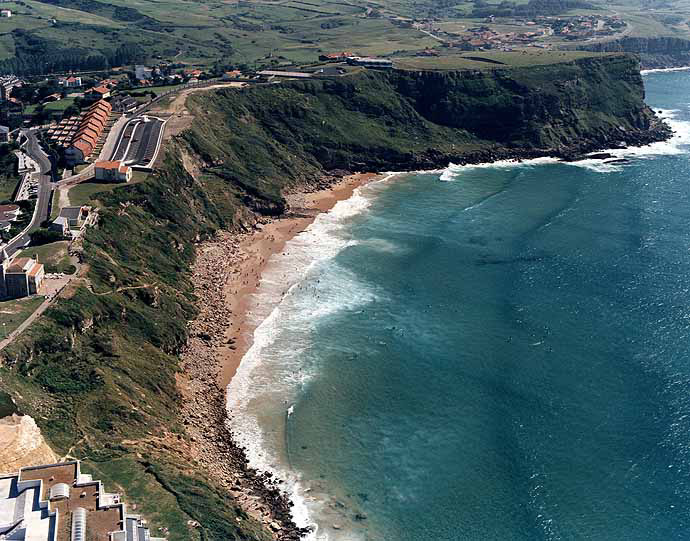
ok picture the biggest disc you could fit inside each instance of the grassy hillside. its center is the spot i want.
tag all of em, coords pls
(414, 120)
(98, 370)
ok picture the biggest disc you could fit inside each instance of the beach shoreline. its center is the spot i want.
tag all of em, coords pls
(226, 274)
(255, 251)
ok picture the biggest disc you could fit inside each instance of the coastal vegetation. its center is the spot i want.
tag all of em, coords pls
(98, 371)
(9, 177)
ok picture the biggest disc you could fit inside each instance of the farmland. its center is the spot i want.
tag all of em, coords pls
(257, 33)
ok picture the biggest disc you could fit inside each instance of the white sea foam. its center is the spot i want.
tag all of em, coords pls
(662, 70)
(675, 145)
(453, 171)
(383, 245)
(269, 378)
(598, 166)
(277, 302)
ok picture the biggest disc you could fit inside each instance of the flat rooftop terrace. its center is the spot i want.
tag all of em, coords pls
(83, 492)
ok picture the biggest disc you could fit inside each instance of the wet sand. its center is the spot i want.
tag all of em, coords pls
(255, 251)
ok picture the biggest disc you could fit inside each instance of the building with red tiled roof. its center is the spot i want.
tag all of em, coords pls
(21, 277)
(93, 123)
(88, 133)
(99, 91)
(100, 114)
(112, 171)
(336, 56)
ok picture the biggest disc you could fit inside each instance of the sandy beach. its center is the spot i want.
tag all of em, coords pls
(255, 251)
(226, 274)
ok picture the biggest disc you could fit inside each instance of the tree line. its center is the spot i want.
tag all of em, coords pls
(38, 56)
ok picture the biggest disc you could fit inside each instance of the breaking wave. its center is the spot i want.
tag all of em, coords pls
(300, 286)
(675, 145)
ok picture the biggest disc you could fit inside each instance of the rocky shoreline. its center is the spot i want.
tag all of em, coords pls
(203, 411)
(659, 131)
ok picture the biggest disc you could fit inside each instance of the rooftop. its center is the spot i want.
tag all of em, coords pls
(50, 502)
(71, 212)
(107, 164)
(274, 73)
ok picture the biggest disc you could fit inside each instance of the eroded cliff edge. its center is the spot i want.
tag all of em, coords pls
(99, 371)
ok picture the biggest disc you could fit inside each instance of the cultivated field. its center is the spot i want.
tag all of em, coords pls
(259, 33)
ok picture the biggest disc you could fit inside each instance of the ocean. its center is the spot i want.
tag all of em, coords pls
(486, 352)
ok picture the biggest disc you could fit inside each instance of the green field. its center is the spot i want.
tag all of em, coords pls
(59, 105)
(50, 107)
(55, 205)
(8, 176)
(14, 313)
(263, 33)
(8, 183)
(158, 90)
(489, 60)
(54, 256)
(139, 176)
(81, 194)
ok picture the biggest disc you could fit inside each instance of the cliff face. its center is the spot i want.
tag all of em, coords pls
(413, 120)
(98, 370)
(658, 52)
(593, 101)
(21, 444)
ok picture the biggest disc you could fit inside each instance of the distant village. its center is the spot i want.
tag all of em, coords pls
(541, 32)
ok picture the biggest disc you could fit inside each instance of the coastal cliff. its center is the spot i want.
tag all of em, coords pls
(100, 371)
(417, 120)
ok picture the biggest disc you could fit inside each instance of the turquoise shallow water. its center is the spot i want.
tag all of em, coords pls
(487, 353)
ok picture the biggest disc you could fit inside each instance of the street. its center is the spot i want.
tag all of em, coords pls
(33, 149)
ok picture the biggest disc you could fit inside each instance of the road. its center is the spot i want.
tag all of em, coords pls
(33, 149)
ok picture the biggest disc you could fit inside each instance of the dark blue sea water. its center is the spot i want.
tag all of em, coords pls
(482, 353)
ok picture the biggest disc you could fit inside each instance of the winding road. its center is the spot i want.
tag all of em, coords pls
(34, 150)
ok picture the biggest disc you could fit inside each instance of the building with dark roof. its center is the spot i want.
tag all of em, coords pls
(75, 216)
(60, 225)
(57, 502)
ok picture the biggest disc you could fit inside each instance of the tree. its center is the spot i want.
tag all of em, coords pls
(44, 236)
